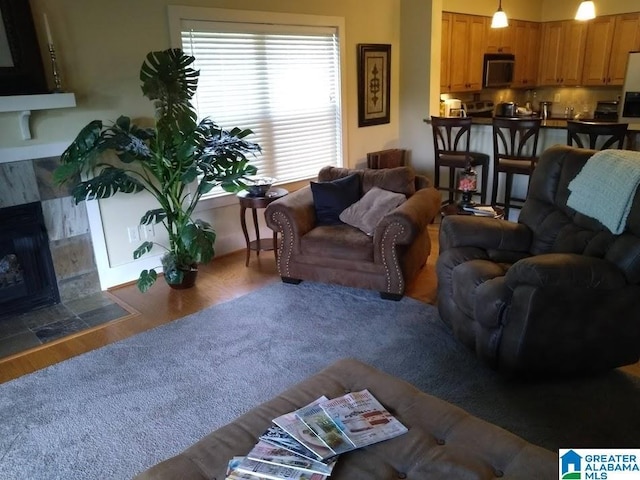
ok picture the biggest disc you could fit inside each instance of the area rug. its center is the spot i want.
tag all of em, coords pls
(114, 412)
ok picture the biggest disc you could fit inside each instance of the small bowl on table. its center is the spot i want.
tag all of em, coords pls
(259, 186)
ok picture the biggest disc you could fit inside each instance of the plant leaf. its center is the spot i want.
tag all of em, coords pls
(107, 183)
(142, 249)
(198, 238)
(146, 280)
(153, 216)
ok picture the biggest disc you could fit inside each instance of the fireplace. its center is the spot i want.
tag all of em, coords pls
(27, 276)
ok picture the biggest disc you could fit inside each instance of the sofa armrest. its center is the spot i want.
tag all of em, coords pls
(410, 218)
(565, 270)
(483, 232)
(297, 208)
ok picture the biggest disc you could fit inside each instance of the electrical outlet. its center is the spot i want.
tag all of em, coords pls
(557, 97)
(149, 231)
(134, 234)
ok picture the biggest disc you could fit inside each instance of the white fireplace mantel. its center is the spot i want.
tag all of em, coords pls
(24, 104)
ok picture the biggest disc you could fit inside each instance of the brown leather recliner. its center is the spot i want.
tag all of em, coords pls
(343, 254)
(555, 292)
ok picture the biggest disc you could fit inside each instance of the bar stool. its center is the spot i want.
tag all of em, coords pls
(602, 135)
(515, 145)
(451, 141)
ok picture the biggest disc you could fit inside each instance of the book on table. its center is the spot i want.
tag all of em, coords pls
(280, 438)
(267, 453)
(484, 210)
(362, 418)
(299, 430)
(242, 468)
(305, 444)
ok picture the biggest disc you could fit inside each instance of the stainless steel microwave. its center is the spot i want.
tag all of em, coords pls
(498, 70)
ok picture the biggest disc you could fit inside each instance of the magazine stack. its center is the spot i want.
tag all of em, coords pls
(305, 444)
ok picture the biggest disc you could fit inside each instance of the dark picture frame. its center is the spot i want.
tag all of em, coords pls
(22, 73)
(374, 84)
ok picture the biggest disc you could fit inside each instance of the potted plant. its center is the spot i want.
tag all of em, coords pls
(176, 161)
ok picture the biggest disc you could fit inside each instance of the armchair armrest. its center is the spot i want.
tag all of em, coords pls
(565, 270)
(483, 232)
(297, 208)
(410, 218)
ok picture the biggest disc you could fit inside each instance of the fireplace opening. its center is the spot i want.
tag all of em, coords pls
(27, 276)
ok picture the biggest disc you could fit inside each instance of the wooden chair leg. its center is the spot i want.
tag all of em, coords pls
(507, 195)
(494, 187)
(452, 177)
(485, 183)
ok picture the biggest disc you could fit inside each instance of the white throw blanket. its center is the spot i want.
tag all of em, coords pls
(605, 187)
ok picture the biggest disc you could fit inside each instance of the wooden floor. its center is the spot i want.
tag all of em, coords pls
(223, 279)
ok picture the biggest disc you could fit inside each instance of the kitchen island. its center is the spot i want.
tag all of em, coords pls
(553, 131)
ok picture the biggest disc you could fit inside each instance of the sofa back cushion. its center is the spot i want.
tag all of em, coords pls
(399, 179)
(330, 198)
(558, 228)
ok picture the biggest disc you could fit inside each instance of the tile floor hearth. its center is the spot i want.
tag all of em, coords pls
(32, 329)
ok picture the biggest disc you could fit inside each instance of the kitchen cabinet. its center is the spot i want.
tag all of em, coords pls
(467, 52)
(626, 38)
(499, 40)
(525, 49)
(562, 53)
(445, 53)
(609, 40)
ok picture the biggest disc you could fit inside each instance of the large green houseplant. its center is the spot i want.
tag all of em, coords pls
(176, 161)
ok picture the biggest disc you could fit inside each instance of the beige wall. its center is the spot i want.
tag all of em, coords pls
(565, 9)
(101, 46)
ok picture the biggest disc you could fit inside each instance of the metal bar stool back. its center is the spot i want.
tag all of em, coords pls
(601, 135)
(515, 147)
(451, 142)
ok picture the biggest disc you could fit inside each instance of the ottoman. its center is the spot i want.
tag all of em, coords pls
(443, 441)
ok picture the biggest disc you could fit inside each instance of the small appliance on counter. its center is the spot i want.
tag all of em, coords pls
(606, 111)
(545, 110)
(453, 108)
(506, 109)
(479, 109)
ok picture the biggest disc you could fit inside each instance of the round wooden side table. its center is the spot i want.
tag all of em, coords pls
(455, 209)
(254, 203)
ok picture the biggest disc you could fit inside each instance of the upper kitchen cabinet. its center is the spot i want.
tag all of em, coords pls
(525, 47)
(609, 41)
(499, 40)
(445, 53)
(467, 52)
(562, 53)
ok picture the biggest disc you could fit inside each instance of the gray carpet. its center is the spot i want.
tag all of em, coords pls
(115, 411)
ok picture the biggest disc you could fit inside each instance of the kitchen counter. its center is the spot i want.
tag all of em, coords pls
(554, 123)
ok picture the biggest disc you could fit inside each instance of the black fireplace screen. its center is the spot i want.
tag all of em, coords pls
(27, 276)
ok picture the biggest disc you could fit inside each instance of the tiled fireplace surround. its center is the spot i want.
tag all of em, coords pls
(67, 224)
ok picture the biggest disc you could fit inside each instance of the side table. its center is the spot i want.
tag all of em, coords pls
(254, 203)
(455, 209)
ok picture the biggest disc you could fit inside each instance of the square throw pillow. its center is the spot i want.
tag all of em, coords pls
(367, 212)
(331, 198)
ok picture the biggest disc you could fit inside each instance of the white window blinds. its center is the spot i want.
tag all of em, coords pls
(281, 81)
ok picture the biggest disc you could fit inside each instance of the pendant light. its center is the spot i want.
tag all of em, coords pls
(499, 19)
(586, 11)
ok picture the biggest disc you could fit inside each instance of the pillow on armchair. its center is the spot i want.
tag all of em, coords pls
(367, 212)
(332, 197)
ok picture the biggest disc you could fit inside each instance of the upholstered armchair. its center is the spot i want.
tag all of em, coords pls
(385, 260)
(556, 292)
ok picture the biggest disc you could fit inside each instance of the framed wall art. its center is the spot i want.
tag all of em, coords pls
(374, 89)
(21, 69)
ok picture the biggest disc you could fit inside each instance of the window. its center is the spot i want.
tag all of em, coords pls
(281, 80)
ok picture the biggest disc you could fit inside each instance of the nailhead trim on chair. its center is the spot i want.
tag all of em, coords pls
(282, 261)
(395, 257)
